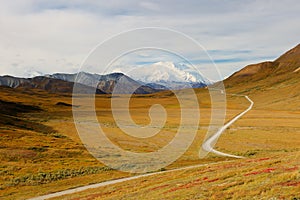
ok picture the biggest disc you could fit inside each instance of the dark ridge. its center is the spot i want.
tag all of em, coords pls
(12, 108)
(63, 104)
(10, 117)
(7, 121)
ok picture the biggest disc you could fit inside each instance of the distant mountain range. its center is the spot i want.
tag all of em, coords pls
(106, 83)
(87, 82)
(282, 74)
(44, 83)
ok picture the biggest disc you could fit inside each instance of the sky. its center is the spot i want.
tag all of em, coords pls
(48, 36)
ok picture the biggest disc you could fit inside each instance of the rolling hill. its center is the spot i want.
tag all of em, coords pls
(271, 84)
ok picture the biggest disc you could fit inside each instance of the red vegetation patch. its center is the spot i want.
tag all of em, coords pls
(94, 196)
(291, 183)
(258, 160)
(186, 186)
(268, 170)
(291, 169)
(213, 180)
(192, 184)
(159, 187)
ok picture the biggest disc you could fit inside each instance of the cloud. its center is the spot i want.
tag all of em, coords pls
(56, 35)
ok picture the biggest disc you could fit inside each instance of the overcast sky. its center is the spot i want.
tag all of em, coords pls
(56, 35)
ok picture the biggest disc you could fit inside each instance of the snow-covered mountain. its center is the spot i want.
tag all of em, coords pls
(170, 75)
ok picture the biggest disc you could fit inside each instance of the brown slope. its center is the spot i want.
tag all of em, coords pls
(289, 62)
(13, 108)
(285, 66)
(291, 56)
(254, 71)
(12, 112)
(272, 84)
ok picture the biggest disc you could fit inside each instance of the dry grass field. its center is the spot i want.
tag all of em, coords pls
(268, 139)
(48, 156)
(41, 151)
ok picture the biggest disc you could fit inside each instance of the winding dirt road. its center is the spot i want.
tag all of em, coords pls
(207, 145)
(111, 182)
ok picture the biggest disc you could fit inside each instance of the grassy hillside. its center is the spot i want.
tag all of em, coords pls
(37, 156)
(273, 85)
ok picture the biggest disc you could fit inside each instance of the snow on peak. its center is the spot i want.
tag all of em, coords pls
(167, 72)
(32, 73)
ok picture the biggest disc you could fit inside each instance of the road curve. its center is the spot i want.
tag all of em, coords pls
(207, 145)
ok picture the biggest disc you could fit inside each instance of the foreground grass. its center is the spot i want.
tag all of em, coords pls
(273, 177)
(271, 170)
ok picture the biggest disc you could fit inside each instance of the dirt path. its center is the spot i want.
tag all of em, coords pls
(207, 145)
(111, 182)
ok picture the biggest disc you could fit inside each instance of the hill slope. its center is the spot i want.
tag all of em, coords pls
(270, 84)
(285, 66)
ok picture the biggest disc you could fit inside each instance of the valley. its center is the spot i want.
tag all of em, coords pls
(41, 152)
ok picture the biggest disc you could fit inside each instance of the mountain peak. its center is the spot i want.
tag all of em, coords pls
(115, 75)
(167, 73)
(292, 55)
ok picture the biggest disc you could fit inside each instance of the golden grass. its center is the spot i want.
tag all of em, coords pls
(269, 141)
(275, 176)
(35, 163)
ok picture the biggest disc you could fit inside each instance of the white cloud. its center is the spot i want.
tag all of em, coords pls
(55, 36)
